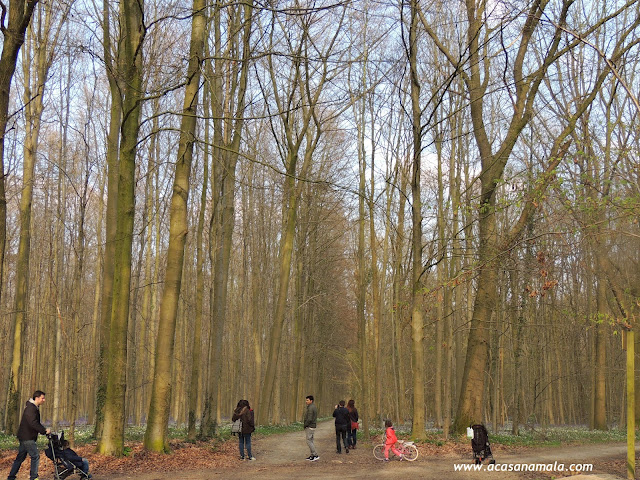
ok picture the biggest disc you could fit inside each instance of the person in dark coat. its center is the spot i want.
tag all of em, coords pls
(28, 431)
(73, 457)
(245, 414)
(343, 422)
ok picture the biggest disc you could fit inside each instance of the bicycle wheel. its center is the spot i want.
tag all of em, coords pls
(378, 452)
(410, 452)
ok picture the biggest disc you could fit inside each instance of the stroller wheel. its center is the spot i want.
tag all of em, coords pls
(492, 462)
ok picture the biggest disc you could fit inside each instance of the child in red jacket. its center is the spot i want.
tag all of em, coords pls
(390, 441)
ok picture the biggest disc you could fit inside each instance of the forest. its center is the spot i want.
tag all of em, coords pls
(428, 206)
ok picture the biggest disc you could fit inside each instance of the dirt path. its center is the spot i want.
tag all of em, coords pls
(284, 456)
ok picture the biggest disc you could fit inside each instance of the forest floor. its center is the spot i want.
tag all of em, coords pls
(284, 456)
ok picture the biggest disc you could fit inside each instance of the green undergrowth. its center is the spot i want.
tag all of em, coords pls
(559, 436)
(550, 436)
(83, 435)
(266, 430)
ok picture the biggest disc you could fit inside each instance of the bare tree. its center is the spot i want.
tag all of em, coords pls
(112, 438)
(296, 99)
(156, 434)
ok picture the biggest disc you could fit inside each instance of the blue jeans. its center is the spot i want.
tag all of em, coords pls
(245, 439)
(85, 466)
(353, 435)
(27, 447)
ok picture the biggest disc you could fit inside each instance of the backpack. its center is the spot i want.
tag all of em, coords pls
(236, 427)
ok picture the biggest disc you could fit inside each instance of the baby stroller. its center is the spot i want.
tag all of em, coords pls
(480, 444)
(63, 468)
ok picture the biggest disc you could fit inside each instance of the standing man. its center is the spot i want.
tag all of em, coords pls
(28, 431)
(310, 417)
(343, 421)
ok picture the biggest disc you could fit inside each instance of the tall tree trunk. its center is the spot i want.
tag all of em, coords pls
(22, 277)
(78, 289)
(34, 86)
(375, 284)
(417, 323)
(216, 248)
(156, 435)
(99, 271)
(441, 288)
(196, 355)
(451, 293)
(361, 294)
(398, 283)
(226, 154)
(302, 278)
(112, 439)
(599, 394)
(111, 216)
(20, 12)
(59, 253)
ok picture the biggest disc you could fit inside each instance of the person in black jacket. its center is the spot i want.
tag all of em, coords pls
(245, 414)
(73, 457)
(28, 431)
(343, 422)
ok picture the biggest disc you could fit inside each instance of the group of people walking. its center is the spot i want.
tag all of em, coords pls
(346, 423)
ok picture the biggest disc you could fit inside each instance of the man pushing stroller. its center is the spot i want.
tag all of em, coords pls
(28, 431)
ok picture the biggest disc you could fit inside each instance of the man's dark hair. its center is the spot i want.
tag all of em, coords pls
(38, 393)
(310, 397)
(64, 443)
(341, 403)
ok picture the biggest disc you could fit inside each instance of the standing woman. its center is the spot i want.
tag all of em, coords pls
(245, 414)
(353, 428)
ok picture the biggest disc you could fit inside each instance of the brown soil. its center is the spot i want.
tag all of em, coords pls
(284, 456)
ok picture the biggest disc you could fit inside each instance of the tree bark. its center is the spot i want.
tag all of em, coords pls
(113, 71)
(417, 323)
(20, 12)
(196, 356)
(156, 435)
(599, 394)
(226, 153)
(112, 439)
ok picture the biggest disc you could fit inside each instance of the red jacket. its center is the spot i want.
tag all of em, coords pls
(391, 436)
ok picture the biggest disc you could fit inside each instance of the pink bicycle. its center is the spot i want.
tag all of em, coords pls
(408, 450)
